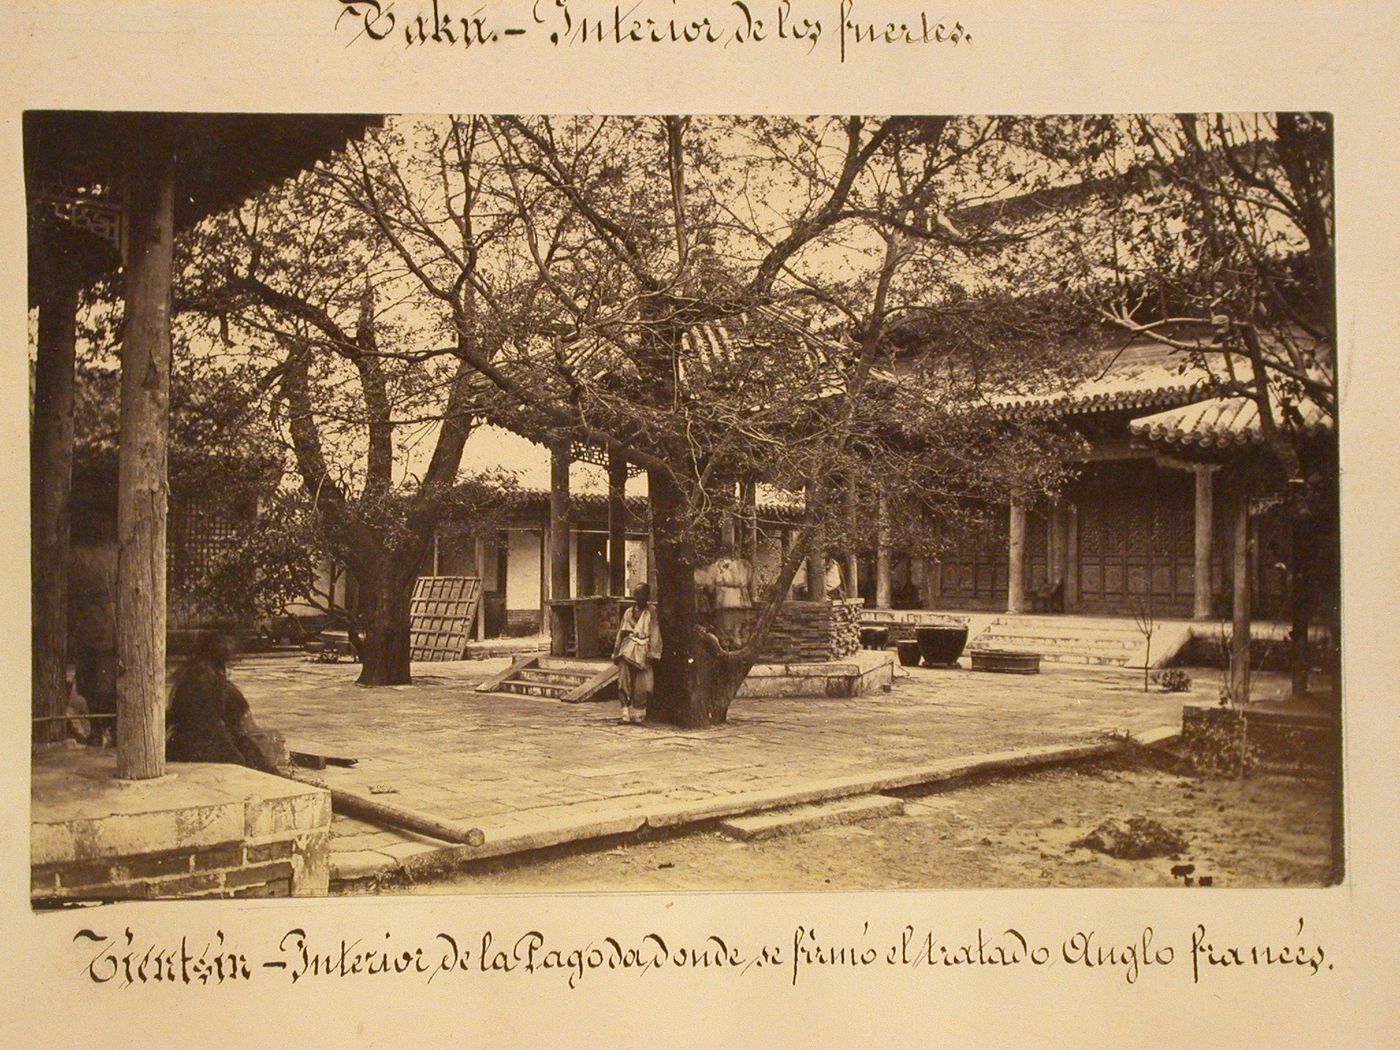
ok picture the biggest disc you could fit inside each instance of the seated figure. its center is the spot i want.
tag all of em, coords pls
(209, 719)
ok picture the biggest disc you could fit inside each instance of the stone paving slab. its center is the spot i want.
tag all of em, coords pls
(792, 819)
(532, 772)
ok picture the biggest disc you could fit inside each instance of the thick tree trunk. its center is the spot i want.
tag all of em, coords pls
(50, 490)
(695, 682)
(385, 650)
(671, 699)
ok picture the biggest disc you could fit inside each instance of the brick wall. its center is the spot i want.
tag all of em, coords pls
(521, 623)
(206, 830)
(277, 867)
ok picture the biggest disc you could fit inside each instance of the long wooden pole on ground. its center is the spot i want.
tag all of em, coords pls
(141, 471)
(50, 497)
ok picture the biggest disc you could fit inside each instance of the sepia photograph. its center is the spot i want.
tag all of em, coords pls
(491, 504)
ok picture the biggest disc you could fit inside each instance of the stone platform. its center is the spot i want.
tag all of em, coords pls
(202, 830)
(862, 673)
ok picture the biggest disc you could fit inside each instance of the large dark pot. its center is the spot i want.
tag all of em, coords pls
(941, 646)
(874, 637)
(908, 653)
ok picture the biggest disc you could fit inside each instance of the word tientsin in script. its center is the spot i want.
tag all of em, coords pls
(571, 23)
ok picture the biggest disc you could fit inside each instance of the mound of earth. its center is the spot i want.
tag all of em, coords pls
(1133, 839)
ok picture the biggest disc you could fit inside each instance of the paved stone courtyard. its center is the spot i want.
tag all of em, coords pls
(512, 764)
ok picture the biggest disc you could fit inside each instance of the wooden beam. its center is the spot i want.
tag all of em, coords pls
(50, 495)
(142, 487)
(617, 525)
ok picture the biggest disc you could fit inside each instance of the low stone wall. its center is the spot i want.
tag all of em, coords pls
(902, 623)
(861, 674)
(1237, 739)
(203, 830)
(812, 632)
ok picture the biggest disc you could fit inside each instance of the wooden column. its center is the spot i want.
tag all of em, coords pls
(816, 556)
(1071, 557)
(1201, 607)
(481, 585)
(882, 554)
(1016, 560)
(748, 503)
(852, 556)
(728, 519)
(652, 582)
(1054, 544)
(50, 496)
(617, 525)
(142, 487)
(1239, 641)
(559, 584)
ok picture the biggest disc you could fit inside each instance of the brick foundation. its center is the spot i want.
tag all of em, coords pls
(203, 830)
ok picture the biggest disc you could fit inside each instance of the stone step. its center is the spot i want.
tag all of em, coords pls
(795, 819)
(1052, 630)
(1100, 641)
(1083, 658)
(521, 688)
(587, 668)
(547, 677)
(1024, 645)
(1076, 623)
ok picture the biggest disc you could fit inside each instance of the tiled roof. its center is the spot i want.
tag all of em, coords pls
(1218, 423)
(1141, 375)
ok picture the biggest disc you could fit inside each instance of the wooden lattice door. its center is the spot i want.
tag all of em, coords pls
(1136, 540)
(442, 611)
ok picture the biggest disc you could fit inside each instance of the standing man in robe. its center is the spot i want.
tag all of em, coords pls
(637, 649)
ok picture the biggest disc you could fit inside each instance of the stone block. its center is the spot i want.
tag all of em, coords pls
(796, 819)
(303, 809)
(311, 865)
(255, 874)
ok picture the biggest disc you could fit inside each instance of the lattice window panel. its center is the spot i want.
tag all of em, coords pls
(442, 611)
(199, 533)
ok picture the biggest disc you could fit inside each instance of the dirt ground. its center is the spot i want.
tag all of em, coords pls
(1265, 830)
